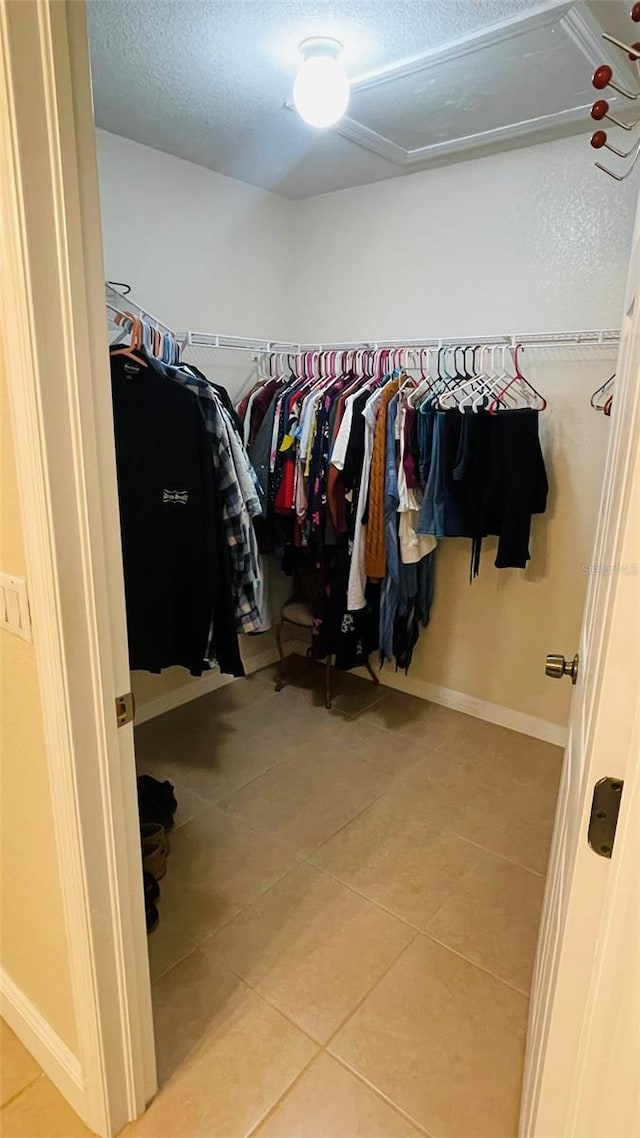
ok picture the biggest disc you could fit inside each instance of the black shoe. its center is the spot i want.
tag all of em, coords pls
(151, 888)
(151, 895)
(153, 918)
(156, 801)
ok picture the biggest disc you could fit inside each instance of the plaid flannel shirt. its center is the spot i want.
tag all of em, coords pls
(236, 515)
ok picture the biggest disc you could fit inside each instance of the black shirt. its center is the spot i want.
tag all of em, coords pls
(168, 516)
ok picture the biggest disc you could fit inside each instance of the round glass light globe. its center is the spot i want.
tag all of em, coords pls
(321, 91)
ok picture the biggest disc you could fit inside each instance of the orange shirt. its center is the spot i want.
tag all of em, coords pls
(375, 554)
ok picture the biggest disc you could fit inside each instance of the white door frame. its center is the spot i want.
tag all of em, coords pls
(54, 330)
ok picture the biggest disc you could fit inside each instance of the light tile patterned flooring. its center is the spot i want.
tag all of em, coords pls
(348, 922)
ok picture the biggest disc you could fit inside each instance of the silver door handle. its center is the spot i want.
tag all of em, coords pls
(557, 667)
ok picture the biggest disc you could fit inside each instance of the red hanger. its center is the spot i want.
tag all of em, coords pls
(523, 379)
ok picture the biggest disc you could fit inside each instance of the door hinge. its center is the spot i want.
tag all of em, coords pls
(603, 820)
(125, 708)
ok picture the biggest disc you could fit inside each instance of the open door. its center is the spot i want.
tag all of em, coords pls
(584, 1028)
(52, 315)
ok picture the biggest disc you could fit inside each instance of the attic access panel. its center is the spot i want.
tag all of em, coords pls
(523, 76)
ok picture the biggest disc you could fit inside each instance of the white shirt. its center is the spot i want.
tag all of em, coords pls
(339, 452)
(357, 575)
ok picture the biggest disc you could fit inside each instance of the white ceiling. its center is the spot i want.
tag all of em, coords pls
(435, 80)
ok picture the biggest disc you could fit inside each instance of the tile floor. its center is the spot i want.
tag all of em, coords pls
(348, 922)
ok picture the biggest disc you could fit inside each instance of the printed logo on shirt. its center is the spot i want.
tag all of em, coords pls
(179, 497)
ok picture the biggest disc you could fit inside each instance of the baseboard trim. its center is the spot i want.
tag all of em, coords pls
(40, 1039)
(480, 708)
(208, 683)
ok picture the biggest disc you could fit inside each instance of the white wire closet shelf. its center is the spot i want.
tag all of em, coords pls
(117, 302)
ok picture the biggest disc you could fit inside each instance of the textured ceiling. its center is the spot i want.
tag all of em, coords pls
(207, 80)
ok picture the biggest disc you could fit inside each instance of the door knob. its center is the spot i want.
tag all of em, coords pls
(557, 667)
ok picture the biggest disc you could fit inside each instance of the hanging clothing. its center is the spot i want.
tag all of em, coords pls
(356, 591)
(236, 512)
(390, 592)
(413, 546)
(517, 486)
(176, 564)
(375, 556)
(359, 486)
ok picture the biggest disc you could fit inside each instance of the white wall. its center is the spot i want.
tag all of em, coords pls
(531, 240)
(201, 251)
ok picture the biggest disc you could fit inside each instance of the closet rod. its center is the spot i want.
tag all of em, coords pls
(590, 337)
(597, 338)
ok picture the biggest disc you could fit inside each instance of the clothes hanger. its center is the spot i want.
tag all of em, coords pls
(505, 395)
(491, 379)
(442, 382)
(462, 387)
(602, 393)
(437, 382)
(477, 388)
(133, 349)
(522, 384)
(425, 382)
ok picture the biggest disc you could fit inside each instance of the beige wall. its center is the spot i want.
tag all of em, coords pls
(33, 942)
(489, 639)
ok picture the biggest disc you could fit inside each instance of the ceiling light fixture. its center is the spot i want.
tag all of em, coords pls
(321, 88)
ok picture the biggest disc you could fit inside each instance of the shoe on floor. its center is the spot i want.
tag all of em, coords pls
(154, 859)
(152, 917)
(156, 801)
(151, 888)
(155, 832)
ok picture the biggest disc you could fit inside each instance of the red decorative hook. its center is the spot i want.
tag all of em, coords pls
(603, 76)
(599, 140)
(600, 110)
(635, 13)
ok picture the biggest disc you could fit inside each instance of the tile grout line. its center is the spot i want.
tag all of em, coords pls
(376, 1090)
(227, 921)
(227, 793)
(269, 1002)
(510, 860)
(27, 1086)
(369, 991)
(494, 853)
(363, 897)
(272, 1109)
(301, 859)
(420, 931)
(476, 964)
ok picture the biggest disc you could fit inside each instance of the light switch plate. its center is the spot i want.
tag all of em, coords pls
(14, 606)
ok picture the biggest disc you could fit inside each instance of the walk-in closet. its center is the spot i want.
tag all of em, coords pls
(364, 269)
